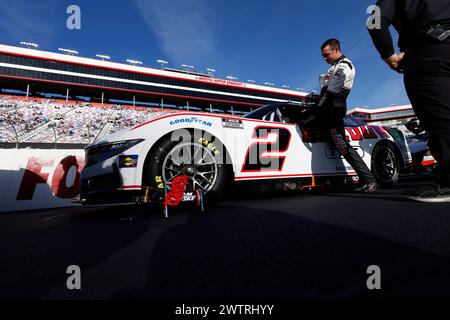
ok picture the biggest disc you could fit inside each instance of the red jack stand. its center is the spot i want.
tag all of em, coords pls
(172, 197)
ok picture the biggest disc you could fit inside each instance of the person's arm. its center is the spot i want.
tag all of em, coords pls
(382, 38)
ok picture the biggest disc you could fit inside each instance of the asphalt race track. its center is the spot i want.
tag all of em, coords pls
(257, 245)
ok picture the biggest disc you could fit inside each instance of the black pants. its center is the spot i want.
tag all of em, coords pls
(331, 118)
(427, 82)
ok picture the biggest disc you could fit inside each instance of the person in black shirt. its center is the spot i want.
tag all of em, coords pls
(424, 58)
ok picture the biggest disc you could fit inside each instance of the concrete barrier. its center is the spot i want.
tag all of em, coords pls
(39, 178)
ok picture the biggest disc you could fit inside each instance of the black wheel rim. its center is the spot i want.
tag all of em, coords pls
(386, 164)
(193, 160)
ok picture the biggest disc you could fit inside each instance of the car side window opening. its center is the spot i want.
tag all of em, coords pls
(289, 114)
(272, 116)
(277, 113)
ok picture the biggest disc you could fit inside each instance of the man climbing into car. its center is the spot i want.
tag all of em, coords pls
(332, 108)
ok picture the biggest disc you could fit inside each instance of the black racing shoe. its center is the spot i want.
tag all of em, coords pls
(368, 187)
(437, 194)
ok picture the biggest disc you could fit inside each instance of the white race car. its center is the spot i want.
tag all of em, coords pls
(209, 149)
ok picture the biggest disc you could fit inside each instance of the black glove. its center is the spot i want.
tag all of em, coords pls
(312, 98)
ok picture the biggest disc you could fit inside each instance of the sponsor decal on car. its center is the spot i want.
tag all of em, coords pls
(159, 182)
(128, 161)
(232, 123)
(344, 168)
(209, 145)
(363, 132)
(191, 120)
(332, 153)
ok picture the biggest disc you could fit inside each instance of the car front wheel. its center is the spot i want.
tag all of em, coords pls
(199, 162)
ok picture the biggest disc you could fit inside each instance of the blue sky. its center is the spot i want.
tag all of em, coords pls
(267, 41)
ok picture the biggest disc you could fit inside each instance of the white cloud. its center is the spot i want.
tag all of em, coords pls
(26, 20)
(185, 29)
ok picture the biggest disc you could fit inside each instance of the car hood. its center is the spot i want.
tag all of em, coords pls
(116, 136)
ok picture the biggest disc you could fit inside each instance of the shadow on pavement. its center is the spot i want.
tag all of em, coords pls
(242, 253)
(36, 248)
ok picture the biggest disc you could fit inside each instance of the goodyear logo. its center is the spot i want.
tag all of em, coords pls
(128, 161)
(191, 120)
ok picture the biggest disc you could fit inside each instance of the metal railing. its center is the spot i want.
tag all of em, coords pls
(11, 134)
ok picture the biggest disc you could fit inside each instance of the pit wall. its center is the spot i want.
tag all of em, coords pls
(38, 178)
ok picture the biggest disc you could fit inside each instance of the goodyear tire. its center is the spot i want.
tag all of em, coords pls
(200, 159)
(386, 164)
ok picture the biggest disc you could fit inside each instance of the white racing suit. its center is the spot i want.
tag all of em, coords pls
(332, 108)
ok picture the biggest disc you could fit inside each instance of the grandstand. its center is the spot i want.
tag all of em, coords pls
(393, 116)
(40, 120)
(90, 90)
(35, 71)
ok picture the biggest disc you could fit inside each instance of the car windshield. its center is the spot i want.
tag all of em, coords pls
(269, 113)
(260, 113)
(266, 113)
